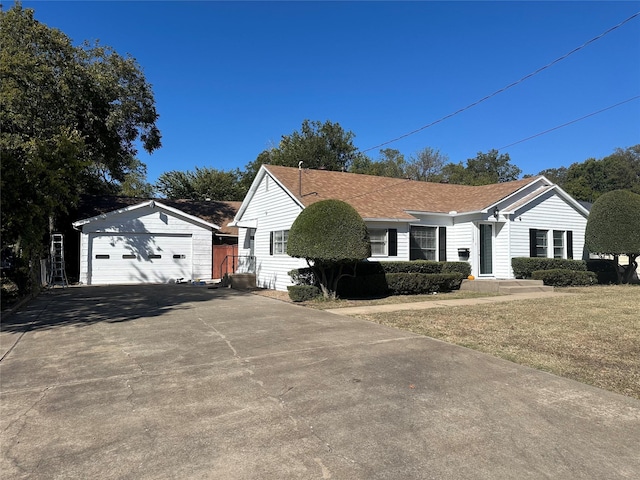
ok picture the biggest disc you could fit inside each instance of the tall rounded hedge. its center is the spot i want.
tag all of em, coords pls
(613, 226)
(329, 231)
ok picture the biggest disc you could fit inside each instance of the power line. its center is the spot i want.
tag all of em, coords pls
(559, 59)
(572, 121)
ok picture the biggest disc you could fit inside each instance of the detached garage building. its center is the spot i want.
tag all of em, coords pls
(148, 242)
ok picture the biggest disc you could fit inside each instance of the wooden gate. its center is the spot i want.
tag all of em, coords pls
(225, 259)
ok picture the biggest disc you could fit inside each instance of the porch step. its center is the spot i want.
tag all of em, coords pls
(505, 287)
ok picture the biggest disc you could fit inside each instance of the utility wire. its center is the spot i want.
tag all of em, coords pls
(572, 121)
(559, 59)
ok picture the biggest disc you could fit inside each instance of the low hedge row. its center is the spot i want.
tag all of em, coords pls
(559, 277)
(372, 279)
(420, 283)
(523, 267)
(363, 286)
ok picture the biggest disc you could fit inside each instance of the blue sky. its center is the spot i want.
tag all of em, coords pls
(230, 78)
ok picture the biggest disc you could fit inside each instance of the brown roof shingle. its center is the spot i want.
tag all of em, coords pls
(392, 198)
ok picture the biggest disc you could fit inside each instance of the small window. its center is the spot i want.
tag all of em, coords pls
(378, 239)
(541, 243)
(131, 257)
(558, 244)
(102, 257)
(279, 242)
(154, 255)
(179, 256)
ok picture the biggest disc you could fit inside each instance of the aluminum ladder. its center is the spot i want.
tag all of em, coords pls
(58, 274)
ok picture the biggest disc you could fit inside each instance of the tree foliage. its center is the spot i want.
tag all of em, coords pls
(319, 145)
(484, 169)
(425, 165)
(71, 119)
(202, 184)
(135, 183)
(330, 235)
(613, 228)
(590, 179)
(391, 163)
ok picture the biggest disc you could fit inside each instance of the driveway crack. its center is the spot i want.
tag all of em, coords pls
(15, 439)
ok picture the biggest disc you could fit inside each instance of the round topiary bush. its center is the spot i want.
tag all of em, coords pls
(613, 227)
(330, 235)
(329, 231)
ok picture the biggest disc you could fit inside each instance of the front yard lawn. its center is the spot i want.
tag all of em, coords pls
(592, 336)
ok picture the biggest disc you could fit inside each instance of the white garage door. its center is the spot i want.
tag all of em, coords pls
(139, 258)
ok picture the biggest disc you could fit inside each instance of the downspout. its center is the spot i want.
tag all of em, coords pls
(509, 270)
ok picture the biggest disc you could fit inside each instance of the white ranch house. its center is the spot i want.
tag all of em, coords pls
(408, 220)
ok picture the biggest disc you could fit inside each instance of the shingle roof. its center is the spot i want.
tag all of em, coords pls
(218, 213)
(390, 198)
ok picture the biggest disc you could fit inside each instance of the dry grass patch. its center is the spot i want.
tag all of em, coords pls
(592, 336)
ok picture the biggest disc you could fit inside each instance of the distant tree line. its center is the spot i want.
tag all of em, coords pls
(328, 146)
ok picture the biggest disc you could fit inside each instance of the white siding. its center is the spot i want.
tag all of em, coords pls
(148, 220)
(460, 235)
(501, 249)
(274, 210)
(550, 212)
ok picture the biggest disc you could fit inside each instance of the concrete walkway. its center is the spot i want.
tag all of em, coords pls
(180, 382)
(363, 310)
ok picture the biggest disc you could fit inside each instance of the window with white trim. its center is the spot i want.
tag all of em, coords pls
(551, 243)
(423, 243)
(378, 239)
(279, 242)
(541, 243)
(558, 244)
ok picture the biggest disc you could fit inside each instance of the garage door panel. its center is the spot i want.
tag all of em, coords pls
(140, 258)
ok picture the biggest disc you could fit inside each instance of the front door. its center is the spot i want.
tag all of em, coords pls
(486, 249)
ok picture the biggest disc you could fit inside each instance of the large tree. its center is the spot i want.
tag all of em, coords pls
(201, 184)
(331, 236)
(426, 165)
(391, 163)
(613, 228)
(71, 116)
(484, 169)
(593, 177)
(318, 145)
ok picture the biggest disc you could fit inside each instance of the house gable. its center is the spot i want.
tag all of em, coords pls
(134, 211)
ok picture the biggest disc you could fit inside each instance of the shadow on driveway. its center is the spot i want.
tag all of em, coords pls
(82, 306)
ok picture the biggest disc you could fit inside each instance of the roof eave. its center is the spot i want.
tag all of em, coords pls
(148, 203)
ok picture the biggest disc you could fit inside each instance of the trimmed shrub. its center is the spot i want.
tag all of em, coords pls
(329, 231)
(613, 229)
(523, 267)
(363, 286)
(565, 278)
(415, 266)
(303, 276)
(463, 268)
(605, 270)
(302, 293)
(418, 283)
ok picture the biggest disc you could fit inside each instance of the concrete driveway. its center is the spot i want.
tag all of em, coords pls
(173, 382)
